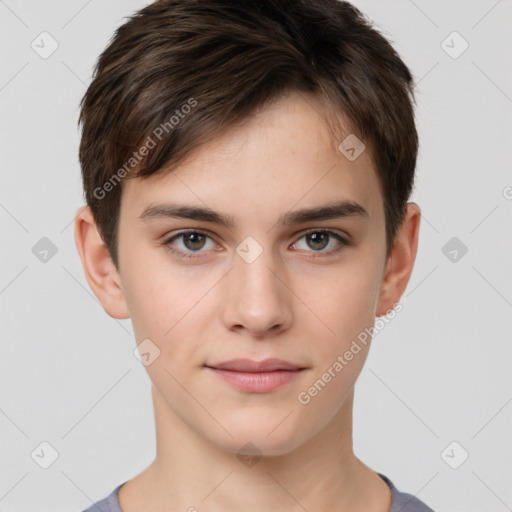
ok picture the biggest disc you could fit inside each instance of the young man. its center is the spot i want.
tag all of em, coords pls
(247, 168)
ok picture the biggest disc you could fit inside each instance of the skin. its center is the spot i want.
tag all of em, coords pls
(294, 302)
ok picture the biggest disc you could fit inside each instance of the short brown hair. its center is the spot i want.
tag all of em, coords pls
(224, 60)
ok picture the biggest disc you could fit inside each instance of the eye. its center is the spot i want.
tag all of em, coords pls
(190, 242)
(319, 239)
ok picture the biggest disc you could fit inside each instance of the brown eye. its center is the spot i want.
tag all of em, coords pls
(319, 239)
(186, 243)
(193, 241)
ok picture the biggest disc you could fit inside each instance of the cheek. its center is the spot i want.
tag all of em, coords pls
(170, 308)
(157, 301)
(347, 302)
(347, 308)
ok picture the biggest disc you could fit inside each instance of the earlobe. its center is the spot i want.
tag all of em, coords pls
(99, 269)
(401, 260)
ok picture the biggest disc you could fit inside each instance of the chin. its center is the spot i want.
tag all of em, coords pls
(261, 440)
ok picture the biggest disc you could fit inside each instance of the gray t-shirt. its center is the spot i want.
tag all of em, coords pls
(400, 501)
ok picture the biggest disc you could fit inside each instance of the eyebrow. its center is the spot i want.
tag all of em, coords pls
(330, 211)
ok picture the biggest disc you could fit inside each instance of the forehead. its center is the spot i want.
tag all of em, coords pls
(282, 156)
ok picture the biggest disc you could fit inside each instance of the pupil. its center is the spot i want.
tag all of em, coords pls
(318, 238)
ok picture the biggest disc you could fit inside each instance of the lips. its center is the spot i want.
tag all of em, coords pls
(256, 376)
(249, 366)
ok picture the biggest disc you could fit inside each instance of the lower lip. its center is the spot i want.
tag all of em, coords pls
(257, 382)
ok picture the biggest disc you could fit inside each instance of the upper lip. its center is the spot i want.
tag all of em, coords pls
(247, 365)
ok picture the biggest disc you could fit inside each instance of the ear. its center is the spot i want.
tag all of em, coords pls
(401, 260)
(100, 272)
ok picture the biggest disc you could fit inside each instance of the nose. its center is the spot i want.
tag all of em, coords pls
(257, 297)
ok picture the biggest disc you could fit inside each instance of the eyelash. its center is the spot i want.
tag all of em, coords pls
(190, 255)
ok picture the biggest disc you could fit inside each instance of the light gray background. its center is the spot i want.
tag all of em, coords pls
(438, 373)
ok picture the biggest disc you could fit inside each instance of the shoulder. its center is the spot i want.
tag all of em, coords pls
(108, 504)
(402, 501)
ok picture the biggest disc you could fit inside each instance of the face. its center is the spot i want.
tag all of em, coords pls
(268, 284)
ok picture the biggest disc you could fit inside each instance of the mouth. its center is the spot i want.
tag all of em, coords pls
(256, 376)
